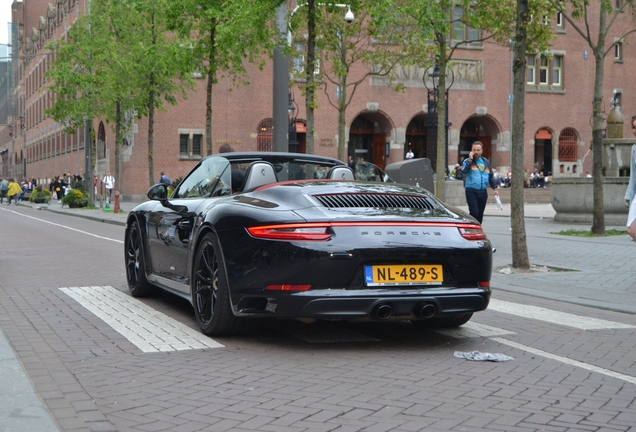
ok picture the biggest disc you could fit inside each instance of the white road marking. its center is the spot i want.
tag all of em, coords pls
(555, 317)
(146, 328)
(473, 329)
(64, 226)
(568, 361)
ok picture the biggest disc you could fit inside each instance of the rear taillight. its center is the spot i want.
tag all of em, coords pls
(472, 232)
(292, 232)
(287, 287)
(484, 284)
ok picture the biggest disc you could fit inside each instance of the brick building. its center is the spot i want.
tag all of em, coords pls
(381, 124)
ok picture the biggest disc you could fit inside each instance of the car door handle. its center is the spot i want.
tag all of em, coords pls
(184, 224)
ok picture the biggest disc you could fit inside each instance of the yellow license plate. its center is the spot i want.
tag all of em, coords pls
(410, 274)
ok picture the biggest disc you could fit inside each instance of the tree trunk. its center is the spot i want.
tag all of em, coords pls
(598, 215)
(342, 103)
(208, 93)
(309, 74)
(440, 164)
(151, 113)
(342, 108)
(117, 142)
(151, 126)
(519, 241)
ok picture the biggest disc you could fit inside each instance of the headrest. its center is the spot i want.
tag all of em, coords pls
(259, 173)
(341, 172)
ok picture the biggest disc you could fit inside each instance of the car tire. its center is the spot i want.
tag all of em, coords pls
(211, 291)
(442, 322)
(135, 266)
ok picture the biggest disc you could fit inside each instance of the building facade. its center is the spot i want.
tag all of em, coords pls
(381, 125)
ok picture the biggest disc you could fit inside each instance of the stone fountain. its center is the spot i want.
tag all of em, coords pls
(572, 198)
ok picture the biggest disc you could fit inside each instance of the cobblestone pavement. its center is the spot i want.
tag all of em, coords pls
(574, 367)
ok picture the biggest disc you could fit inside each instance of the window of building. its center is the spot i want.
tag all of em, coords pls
(543, 70)
(461, 31)
(196, 144)
(618, 52)
(557, 67)
(184, 145)
(567, 146)
(190, 143)
(545, 73)
(299, 60)
(559, 20)
(531, 69)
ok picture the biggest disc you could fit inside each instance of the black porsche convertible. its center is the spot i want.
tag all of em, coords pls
(284, 235)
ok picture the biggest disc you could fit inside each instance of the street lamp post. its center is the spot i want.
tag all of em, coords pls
(431, 82)
(293, 113)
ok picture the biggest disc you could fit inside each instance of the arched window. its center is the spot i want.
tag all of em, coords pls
(264, 136)
(567, 145)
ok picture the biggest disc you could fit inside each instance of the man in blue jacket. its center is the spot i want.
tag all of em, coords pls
(164, 179)
(478, 177)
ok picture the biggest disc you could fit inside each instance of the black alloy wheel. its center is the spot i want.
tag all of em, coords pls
(210, 291)
(135, 267)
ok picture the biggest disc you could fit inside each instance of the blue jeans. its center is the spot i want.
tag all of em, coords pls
(476, 200)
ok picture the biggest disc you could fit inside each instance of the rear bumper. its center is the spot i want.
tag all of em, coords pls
(344, 304)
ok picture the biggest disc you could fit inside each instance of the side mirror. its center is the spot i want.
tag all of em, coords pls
(158, 192)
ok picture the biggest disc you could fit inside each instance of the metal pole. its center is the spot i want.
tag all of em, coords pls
(88, 166)
(280, 141)
(511, 95)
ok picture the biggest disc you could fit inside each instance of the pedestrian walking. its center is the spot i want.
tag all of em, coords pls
(4, 187)
(409, 154)
(479, 176)
(14, 191)
(56, 188)
(164, 179)
(109, 183)
(631, 189)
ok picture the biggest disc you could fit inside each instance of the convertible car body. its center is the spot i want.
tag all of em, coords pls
(283, 235)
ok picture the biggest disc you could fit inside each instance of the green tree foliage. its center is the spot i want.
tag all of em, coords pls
(378, 40)
(579, 14)
(118, 58)
(445, 22)
(223, 36)
(164, 68)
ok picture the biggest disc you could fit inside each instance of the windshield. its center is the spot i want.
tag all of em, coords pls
(211, 177)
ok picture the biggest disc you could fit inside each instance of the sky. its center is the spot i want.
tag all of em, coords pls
(5, 18)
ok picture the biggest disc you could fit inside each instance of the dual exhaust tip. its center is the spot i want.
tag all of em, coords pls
(384, 311)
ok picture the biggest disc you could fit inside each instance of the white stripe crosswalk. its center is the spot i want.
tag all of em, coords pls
(554, 317)
(146, 328)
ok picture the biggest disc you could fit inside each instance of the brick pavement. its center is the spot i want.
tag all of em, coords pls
(91, 378)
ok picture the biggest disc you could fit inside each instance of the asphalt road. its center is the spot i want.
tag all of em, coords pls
(84, 355)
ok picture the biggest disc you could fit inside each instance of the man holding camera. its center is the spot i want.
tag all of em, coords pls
(479, 176)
